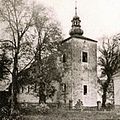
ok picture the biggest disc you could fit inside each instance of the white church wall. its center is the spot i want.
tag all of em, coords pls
(82, 73)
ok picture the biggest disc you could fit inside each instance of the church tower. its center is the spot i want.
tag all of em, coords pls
(80, 57)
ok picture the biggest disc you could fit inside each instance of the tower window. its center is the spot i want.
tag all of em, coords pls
(84, 57)
(63, 87)
(22, 89)
(85, 89)
(64, 58)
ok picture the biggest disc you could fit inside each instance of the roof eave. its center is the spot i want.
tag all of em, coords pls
(78, 36)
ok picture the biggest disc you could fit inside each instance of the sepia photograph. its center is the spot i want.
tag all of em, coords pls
(59, 60)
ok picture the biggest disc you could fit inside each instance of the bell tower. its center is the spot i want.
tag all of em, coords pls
(80, 56)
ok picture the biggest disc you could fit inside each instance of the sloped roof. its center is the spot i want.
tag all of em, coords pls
(78, 36)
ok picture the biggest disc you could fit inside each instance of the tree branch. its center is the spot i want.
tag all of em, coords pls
(27, 65)
(8, 70)
(2, 40)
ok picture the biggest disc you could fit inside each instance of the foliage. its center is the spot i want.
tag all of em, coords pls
(36, 109)
(44, 70)
(79, 105)
(4, 111)
(5, 63)
(48, 36)
(109, 106)
(110, 65)
(31, 63)
(43, 108)
(17, 19)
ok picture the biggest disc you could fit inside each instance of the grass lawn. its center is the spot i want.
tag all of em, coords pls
(75, 115)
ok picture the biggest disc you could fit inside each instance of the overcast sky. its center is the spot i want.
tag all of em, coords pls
(98, 17)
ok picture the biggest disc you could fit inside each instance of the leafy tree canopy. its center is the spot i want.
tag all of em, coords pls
(109, 62)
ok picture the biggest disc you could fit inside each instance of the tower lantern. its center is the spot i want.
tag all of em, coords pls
(76, 27)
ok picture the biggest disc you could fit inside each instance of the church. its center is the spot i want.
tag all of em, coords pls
(80, 55)
(79, 82)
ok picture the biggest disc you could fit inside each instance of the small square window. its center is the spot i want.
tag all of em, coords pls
(84, 57)
(85, 89)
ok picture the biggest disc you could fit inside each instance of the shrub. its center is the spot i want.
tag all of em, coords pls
(43, 108)
(79, 105)
(35, 109)
(109, 106)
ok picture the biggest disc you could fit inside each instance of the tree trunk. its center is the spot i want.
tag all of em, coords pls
(14, 87)
(42, 96)
(105, 87)
(104, 98)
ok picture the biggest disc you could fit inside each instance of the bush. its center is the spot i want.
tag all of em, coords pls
(43, 108)
(35, 109)
(109, 106)
(5, 114)
(79, 105)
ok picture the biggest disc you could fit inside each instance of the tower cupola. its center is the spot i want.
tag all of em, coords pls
(76, 27)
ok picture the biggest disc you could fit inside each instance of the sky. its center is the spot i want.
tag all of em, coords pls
(98, 17)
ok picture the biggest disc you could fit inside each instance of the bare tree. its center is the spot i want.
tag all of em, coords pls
(109, 62)
(17, 19)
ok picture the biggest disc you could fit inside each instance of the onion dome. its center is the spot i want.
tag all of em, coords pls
(76, 28)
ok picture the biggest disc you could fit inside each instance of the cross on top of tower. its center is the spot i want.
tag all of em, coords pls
(75, 8)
